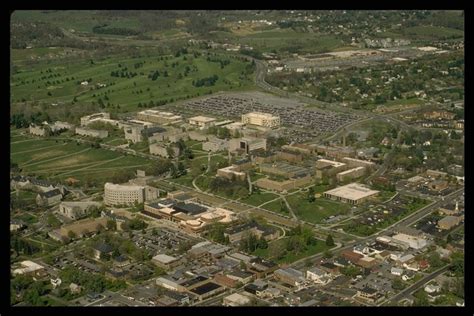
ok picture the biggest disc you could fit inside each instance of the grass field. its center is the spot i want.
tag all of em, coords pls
(58, 160)
(275, 206)
(315, 212)
(257, 199)
(291, 256)
(50, 81)
(433, 32)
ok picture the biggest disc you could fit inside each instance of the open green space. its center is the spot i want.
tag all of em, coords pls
(276, 206)
(316, 211)
(259, 198)
(291, 256)
(60, 160)
(122, 83)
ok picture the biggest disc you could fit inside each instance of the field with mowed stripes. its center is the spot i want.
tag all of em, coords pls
(58, 160)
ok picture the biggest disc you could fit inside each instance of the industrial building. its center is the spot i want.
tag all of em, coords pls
(261, 119)
(352, 193)
(159, 117)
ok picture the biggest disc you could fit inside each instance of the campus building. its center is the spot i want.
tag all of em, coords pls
(159, 117)
(117, 194)
(261, 119)
(91, 132)
(352, 193)
(202, 121)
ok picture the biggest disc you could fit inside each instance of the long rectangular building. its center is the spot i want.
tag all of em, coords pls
(159, 117)
(352, 193)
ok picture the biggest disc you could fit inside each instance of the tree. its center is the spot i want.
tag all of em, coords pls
(311, 197)
(111, 225)
(276, 250)
(329, 241)
(71, 234)
(328, 254)
(397, 284)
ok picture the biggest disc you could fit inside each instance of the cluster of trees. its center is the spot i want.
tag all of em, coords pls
(22, 246)
(103, 29)
(97, 284)
(206, 82)
(155, 74)
(121, 176)
(298, 241)
(134, 224)
(123, 74)
(24, 288)
(220, 132)
(20, 120)
(37, 33)
(223, 63)
(250, 242)
(215, 232)
(230, 188)
(159, 167)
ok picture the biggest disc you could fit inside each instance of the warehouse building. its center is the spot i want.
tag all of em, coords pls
(352, 193)
(261, 119)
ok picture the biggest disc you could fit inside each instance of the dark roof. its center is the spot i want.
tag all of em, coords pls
(240, 273)
(183, 197)
(240, 228)
(189, 208)
(368, 290)
(329, 265)
(241, 161)
(49, 194)
(121, 258)
(42, 183)
(104, 248)
(205, 288)
(175, 295)
(193, 281)
(152, 130)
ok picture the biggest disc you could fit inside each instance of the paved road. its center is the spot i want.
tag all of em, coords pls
(406, 292)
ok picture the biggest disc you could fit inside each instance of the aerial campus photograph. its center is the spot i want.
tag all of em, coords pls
(237, 158)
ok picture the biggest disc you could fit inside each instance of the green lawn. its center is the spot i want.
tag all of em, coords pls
(52, 82)
(291, 256)
(258, 198)
(318, 210)
(275, 206)
(63, 160)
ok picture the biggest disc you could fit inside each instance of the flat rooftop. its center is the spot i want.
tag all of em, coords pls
(261, 115)
(203, 119)
(352, 191)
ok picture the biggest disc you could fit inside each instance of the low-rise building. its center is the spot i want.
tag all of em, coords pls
(166, 262)
(412, 241)
(235, 299)
(318, 276)
(449, 222)
(49, 197)
(215, 144)
(30, 268)
(352, 193)
(202, 121)
(78, 229)
(83, 131)
(290, 276)
(76, 210)
(231, 174)
(102, 250)
(38, 130)
(159, 117)
(350, 174)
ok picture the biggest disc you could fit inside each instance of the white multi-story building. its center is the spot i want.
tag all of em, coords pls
(261, 119)
(117, 194)
(202, 121)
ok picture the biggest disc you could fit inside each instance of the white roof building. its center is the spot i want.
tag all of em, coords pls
(352, 193)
